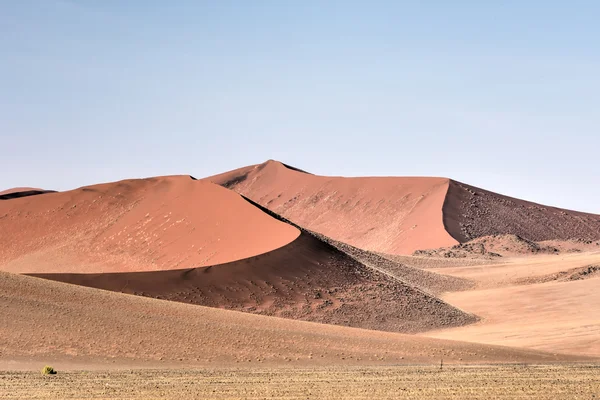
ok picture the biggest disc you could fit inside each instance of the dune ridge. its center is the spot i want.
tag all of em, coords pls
(383, 214)
(15, 193)
(399, 215)
(471, 212)
(195, 242)
(135, 225)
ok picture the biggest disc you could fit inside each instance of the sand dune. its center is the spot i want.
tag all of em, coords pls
(470, 212)
(193, 241)
(403, 214)
(135, 225)
(557, 317)
(44, 321)
(17, 192)
(176, 238)
(558, 314)
(521, 270)
(391, 215)
(307, 279)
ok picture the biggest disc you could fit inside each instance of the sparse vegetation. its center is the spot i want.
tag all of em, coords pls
(542, 382)
(48, 370)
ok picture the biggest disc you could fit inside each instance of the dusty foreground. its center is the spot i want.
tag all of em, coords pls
(454, 382)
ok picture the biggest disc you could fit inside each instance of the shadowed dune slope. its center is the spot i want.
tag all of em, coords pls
(470, 212)
(398, 215)
(385, 214)
(15, 193)
(307, 279)
(135, 225)
(50, 321)
(18, 190)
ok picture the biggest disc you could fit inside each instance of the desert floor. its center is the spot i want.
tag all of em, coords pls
(547, 303)
(452, 382)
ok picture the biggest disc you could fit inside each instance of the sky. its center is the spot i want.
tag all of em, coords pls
(503, 95)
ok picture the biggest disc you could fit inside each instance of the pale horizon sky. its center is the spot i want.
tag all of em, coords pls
(500, 95)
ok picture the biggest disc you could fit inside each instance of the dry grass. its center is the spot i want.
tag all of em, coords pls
(483, 382)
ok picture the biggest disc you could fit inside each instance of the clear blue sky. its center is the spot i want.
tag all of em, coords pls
(499, 94)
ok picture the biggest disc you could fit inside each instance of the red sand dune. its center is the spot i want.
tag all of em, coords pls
(18, 189)
(17, 192)
(307, 279)
(398, 215)
(392, 215)
(135, 225)
(193, 241)
(470, 212)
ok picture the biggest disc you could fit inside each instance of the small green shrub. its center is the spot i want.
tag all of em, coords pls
(48, 370)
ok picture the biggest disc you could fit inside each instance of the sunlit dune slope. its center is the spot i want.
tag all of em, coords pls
(398, 215)
(135, 225)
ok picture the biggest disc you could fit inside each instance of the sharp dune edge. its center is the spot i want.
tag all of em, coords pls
(399, 215)
(19, 190)
(135, 225)
(15, 193)
(390, 215)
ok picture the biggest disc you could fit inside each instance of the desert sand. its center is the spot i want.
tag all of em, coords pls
(544, 302)
(307, 279)
(45, 321)
(547, 382)
(398, 215)
(135, 225)
(344, 280)
(17, 192)
(357, 211)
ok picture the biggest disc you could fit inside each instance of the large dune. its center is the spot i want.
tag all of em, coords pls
(398, 215)
(197, 242)
(307, 279)
(391, 215)
(135, 225)
(67, 325)
(192, 241)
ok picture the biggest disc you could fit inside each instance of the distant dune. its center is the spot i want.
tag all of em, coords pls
(398, 215)
(135, 225)
(390, 215)
(17, 192)
(470, 213)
